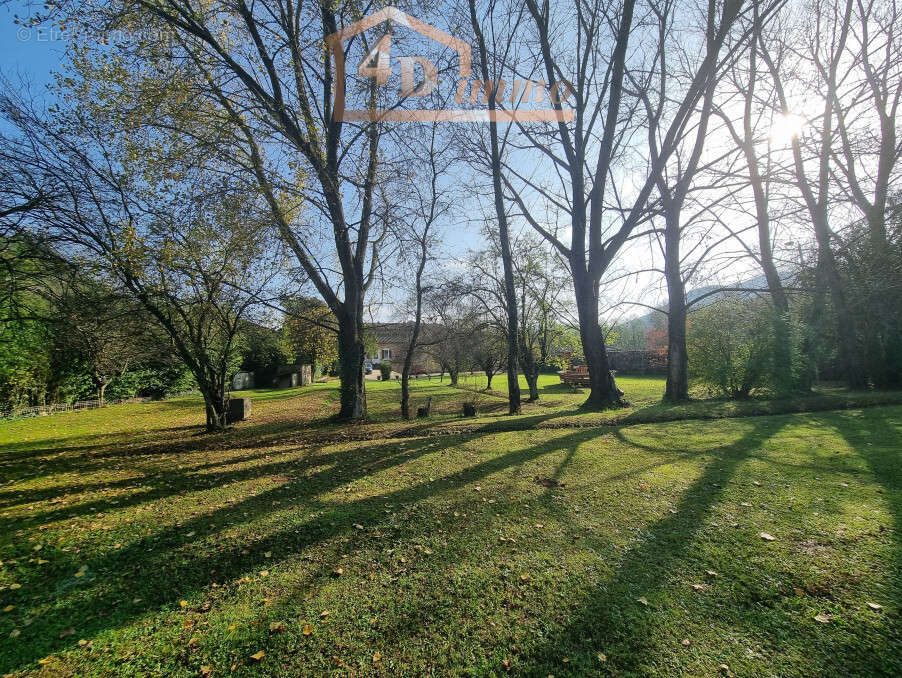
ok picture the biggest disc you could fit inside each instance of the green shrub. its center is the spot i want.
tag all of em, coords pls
(730, 345)
(385, 370)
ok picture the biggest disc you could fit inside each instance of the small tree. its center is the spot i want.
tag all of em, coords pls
(731, 345)
(157, 220)
(488, 352)
(105, 329)
(310, 332)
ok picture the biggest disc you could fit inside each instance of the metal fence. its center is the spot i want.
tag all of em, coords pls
(55, 408)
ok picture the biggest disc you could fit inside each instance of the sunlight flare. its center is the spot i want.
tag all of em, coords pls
(786, 127)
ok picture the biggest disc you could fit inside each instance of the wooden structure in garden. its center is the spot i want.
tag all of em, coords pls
(575, 376)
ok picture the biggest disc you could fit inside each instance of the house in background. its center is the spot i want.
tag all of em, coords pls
(392, 340)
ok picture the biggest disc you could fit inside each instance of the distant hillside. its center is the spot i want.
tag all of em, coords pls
(633, 331)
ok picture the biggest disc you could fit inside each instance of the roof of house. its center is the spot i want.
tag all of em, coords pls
(399, 333)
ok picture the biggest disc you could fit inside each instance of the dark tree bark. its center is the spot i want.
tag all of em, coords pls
(531, 374)
(351, 356)
(677, 387)
(603, 391)
(489, 373)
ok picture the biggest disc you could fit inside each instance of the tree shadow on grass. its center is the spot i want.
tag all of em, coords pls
(172, 564)
(613, 617)
(876, 435)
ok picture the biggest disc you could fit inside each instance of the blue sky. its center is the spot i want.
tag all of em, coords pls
(30, 54)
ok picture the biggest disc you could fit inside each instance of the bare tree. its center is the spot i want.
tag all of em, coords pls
(754, 129)
(495, 163)
(426, 204)
(827, 33)
(673, 182)
(866, 100)
(587, 156)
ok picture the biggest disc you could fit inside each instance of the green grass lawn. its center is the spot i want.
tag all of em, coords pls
(133, 544)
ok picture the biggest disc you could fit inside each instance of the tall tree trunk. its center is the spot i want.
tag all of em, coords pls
(531, 375)
(513, 369)
(453, 373)
(101, 389)
(405, 391)
(677, 387)
(603, 391)
(351, 356)
(215, 406)
(411, 347)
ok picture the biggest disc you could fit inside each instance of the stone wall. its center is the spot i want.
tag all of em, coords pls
(638, 362)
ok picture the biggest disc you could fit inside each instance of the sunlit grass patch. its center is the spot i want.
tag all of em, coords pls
(445, 551)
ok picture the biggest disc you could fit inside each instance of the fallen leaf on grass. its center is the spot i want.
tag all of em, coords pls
(642, 601)
(206, 670)
(277, 627)
(183, 603)
(602, 657)
(308, 629)
(823, 618)
(875, 606)
(699, 587)
(525, 577)
(14, 633)
(67, 633)
(768, 537)
(377, 656)
(711, 573)
(257, 656)
(9, 608)
(686, 642)
(337, 572)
